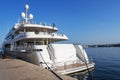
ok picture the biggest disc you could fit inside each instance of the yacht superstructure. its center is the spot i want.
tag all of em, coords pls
(34, 43)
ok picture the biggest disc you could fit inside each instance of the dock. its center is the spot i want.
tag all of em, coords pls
(15, 69)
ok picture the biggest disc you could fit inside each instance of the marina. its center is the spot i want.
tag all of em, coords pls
(35, 43)
(60, 40)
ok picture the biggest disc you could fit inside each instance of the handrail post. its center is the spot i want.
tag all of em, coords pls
(64, 65)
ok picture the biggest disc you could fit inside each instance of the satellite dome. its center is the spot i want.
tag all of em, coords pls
(23, 15)
(27, 6)
(30, 16)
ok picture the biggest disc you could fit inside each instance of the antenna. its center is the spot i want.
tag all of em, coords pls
(26, 12)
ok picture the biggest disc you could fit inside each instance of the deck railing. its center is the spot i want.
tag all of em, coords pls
(67, 65)
(39, 34)
(25, 48)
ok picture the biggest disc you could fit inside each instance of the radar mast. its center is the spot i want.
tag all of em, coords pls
(25, 15)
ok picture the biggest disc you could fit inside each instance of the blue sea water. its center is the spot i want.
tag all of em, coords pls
(107, 63)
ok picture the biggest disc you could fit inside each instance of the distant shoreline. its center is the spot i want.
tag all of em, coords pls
(103, 45)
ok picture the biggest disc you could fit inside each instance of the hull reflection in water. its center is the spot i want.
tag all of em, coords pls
(84, 75)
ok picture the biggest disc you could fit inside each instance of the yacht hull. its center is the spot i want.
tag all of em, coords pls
(41, 56)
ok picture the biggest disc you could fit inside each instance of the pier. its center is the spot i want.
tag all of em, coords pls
(15, 69)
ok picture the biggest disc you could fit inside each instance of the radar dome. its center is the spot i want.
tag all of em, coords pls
(23, 15)
(30, 16)
(27, 6)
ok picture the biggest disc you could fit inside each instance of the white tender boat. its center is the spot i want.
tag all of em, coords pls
(35, 43)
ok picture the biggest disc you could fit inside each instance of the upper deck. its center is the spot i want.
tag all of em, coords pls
(35, 27)
(26, 29)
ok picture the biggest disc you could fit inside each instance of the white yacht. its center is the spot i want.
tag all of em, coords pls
(35, 43)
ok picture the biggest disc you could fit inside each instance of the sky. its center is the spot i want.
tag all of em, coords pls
(83, 21)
